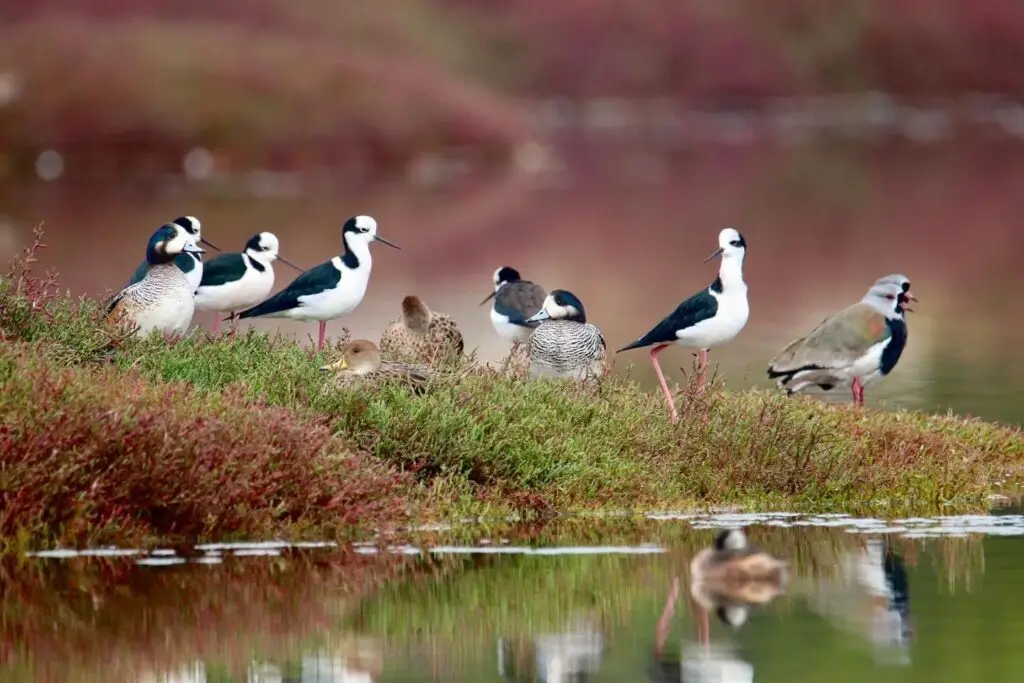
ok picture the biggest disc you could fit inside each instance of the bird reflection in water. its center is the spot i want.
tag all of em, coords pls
(870, 597)
(572, 656)
(726, 579)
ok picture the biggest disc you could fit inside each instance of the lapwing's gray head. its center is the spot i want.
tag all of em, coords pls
(731, 245)
(361, 230)
(168, 241)
(890, 296)
(192, 226)
(905, 296)
(502, 276)
(359, 357)
(560, 305)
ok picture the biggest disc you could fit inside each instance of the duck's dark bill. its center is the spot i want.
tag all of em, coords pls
(390, 244)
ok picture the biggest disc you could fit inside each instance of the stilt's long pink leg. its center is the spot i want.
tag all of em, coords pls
(323, 333)
(858, 392)
(661, 379)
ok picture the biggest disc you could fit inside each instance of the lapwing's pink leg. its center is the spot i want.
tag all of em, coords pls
(323, 332)
(858, 392)
(661, 379)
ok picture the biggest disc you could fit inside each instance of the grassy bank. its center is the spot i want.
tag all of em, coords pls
(105, 439)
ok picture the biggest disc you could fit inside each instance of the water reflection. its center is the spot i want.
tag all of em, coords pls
(870, 597)
(436, 611)
(571, 656)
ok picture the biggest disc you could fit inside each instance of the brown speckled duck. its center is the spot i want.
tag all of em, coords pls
(421, 335)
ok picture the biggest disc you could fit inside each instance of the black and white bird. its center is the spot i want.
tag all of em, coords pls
(565, 345)
(188, 262)
(709, 318)
(331, 289)
(515, 301)
(859, 344)
(235, 281)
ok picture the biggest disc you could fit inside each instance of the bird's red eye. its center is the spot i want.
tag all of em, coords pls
(889, 296)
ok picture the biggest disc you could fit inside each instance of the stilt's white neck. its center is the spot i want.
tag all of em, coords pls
(731, 274)
(360, 248)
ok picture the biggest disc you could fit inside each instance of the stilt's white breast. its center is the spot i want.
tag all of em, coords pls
(508, 331)
(728, 321)
(336, 301)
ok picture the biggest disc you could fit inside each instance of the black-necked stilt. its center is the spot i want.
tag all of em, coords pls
(564, 343)
(163, 299)
(190, 263)
(731, 576)
(421, 334)
(515, 300)
(855, 346)
(236, 281)
(331, 289)
(360, 359)
(707, 319)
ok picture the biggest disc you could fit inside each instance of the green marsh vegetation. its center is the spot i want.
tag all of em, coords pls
(114, 440)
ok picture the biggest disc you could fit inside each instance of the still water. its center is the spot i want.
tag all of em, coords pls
(626, 230)
(589, 599)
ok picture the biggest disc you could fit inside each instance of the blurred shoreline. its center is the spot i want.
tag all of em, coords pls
(118, 88)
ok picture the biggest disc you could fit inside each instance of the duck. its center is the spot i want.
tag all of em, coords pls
(421, 335)
(857, 346)
(239, 280)
(564, 345)
(189, 263)
(360, 360)
(731, 576)
(163, 299)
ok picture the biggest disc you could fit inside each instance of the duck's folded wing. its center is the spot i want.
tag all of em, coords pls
(835, 343)
(111, 311)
